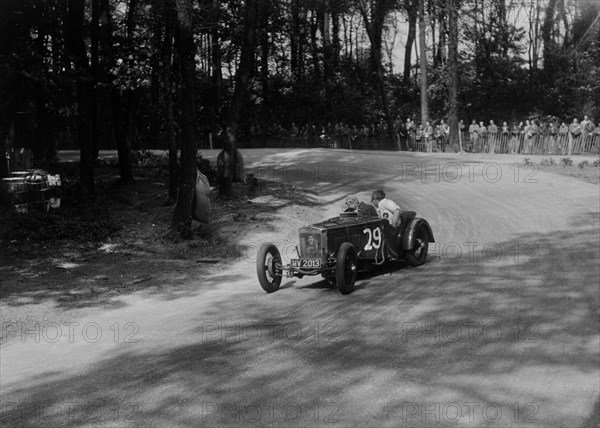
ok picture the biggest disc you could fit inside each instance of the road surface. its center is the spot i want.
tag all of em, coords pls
(499, 328)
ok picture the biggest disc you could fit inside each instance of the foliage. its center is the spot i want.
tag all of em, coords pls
(147, 158)
(566, 162)
(299, 80)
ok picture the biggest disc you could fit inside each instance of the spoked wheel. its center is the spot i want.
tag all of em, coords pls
(418, 253)
(345, 268)
(267, 260)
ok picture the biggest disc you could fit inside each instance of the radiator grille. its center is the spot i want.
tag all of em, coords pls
(311, 243)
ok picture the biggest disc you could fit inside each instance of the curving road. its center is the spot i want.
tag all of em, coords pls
(499, 328)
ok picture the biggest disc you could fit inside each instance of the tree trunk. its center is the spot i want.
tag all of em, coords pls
(411, 10)
(423, 55)
(157, 16)
(454, 139)
(227, 171)
(186, 48)
(549, 51)
(294, 36)
(77, 51)
(95, 60)
(328, 66)
(440, 55)
(502, 22)
(106, 60)
(380, 77)
(167, 83)
(314, 26)
(328, 61)
(380, 10)
(216, 73)
(123, 133)
(123, 107)
(335, 35)
(264, 71)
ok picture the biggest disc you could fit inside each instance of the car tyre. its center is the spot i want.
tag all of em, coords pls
(345, 268)
(418, 253)
(266, 267)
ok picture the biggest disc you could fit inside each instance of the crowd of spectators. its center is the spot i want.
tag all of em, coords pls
(532, 136)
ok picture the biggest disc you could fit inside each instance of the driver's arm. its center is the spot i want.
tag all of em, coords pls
(395, 221)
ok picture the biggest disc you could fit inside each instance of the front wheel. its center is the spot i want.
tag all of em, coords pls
(345, 268)
(418, 253)
(267, 260)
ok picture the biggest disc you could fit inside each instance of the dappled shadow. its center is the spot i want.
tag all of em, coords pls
(503, 331)
(321, 185)
(97, 283)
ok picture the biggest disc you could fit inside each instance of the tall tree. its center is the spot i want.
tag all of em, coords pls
(96, 71)
(549, 51)
(412, 8)
(186, 49)
(423, 65)
(242, 76)
(454, 138)
(264, 69)
(85, 83)
(167, 84)
(157, 15)
(123, 109)
(534, 37)
(216, 65)
(376, 54)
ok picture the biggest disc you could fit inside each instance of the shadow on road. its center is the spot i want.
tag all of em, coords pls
(519, 335)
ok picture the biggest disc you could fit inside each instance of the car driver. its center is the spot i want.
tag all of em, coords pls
(353, 204)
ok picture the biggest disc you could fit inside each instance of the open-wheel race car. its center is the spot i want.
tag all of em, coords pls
(339, 247)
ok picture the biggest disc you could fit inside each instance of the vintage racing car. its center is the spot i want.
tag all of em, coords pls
(339, 247)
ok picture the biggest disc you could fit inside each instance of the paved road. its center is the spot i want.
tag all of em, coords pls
(499, 328)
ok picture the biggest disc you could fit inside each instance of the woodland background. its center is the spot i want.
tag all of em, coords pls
(141, 74)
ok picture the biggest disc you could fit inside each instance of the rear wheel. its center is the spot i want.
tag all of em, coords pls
(267, 260)
(345, 268)
(418, 253)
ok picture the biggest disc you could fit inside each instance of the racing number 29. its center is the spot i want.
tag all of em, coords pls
(374, 238)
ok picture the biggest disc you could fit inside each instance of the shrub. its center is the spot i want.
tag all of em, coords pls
(566, 162)
(147, 158)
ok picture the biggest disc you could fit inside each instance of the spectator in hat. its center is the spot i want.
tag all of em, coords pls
(492, 136)
(474, 134)
(574, 136)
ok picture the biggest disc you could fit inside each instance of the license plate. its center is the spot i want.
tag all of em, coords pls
(306, 263)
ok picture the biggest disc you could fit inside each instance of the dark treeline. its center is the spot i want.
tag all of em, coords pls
(112, 74)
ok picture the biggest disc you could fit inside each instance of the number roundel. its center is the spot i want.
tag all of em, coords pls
(373, 239)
